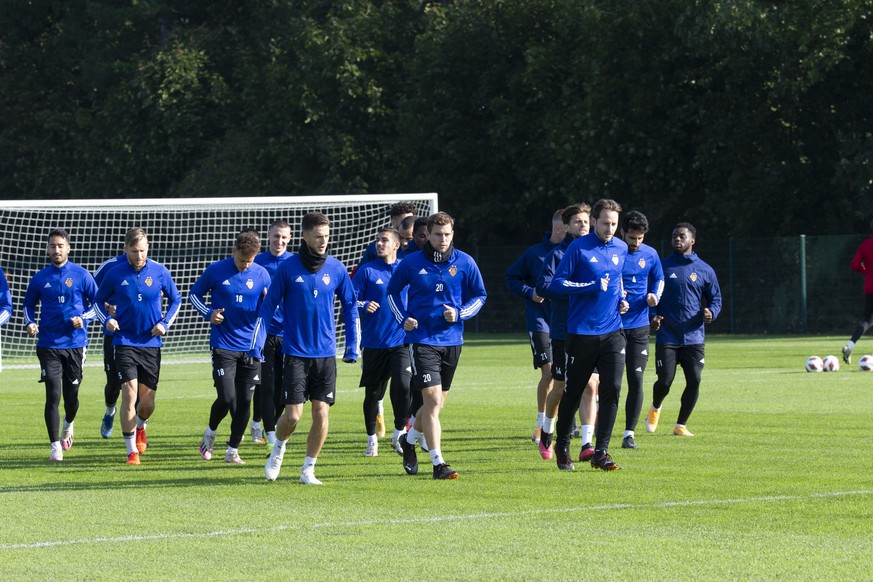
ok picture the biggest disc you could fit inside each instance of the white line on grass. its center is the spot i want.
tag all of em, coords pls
(472, 516)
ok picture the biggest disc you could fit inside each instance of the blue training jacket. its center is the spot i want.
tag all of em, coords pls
(689, 286)
(307, 301)
(63, 293)
(642, 274)
(590, 273)
(559, 305)
(379, 330)
(271, 263)
(521, 278)
(138, 297)
(239, 293)
(5, 299)
(456, 282)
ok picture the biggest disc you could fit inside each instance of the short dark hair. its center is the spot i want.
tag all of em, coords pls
(59, 232)
(313, 219)
(440, 219)
(409, 222)
(687, 225)
(573, 210)
(607, 204)
(635, 220)
(401, 208)
(391, 231)
(419, 222)
(248, 242)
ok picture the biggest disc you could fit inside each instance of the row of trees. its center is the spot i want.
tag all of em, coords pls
(748, 118)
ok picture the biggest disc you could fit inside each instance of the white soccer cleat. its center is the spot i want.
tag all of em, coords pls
(422, 442)
(257, 435)
(274, 463)
(309, 478)
(206, 446)
(57, 455)
(372, 449)
(395, 443)
(232, 456)
(67, 439)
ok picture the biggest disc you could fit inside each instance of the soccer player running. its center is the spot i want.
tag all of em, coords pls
(521, 279)
(385, 355)
(137, 289)
(236, 286)
(643, 281)
(112, 388)
(267, 394)
(396, 215)
(306, 286)
(445, 288)
(590, 272)
(576, 218)
(66, 293)
(691, 299)
(862, 262)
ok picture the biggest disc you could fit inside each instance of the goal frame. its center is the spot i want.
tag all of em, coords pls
(12, 335)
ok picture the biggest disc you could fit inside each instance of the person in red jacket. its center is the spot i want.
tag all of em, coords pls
(862, 262)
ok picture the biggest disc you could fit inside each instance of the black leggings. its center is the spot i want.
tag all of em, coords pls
(636, 359)
(234, 397)
(691, 360)
(268, 393)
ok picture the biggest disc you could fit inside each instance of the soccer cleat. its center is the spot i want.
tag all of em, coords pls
(206, 446)
(562, 455)
(106, 425)
(372, 449)
(652, 419)
(586, 452)
(680, 430)
(547, 451)
(395, 444)
(309, 478)
(133, 459)
(443, 471)
(274, 463)
(422, 442)
(601, 460)
(410, 458)
(57, 455)
(233, 458)
(847, 354)
(629, 443)
(67, 441)
(380, 425)
(535, 435)
(257, 435)
(142, 442)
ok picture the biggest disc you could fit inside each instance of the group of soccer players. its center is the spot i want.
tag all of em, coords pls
(591, 301)
(272, 334)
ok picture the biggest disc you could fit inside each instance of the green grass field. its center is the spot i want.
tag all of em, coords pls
(777, 483)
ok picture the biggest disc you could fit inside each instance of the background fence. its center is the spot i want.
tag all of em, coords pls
(778, 285)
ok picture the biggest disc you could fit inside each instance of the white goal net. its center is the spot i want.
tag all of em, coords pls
(186, 235)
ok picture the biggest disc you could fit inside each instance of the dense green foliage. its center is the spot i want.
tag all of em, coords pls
(743, 117)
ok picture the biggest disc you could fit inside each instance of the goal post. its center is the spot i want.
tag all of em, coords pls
(186, 235)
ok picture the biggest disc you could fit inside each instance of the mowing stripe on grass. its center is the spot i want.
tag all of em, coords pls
(472, 516)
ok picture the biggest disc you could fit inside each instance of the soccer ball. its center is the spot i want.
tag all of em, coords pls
(814, 364)
(831, 364)
(865, 364)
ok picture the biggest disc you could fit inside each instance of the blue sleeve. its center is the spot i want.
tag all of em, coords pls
(196, 297)
(516, 278)
(31, 297)
(544, 279)
(350, 315)
(712, 292)
(359, 282)
(89, 295)
(563, 284)
(476, 289)
(174, 298)
(265, 315)
(398, 283)
(5, 299)
(656, 277)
